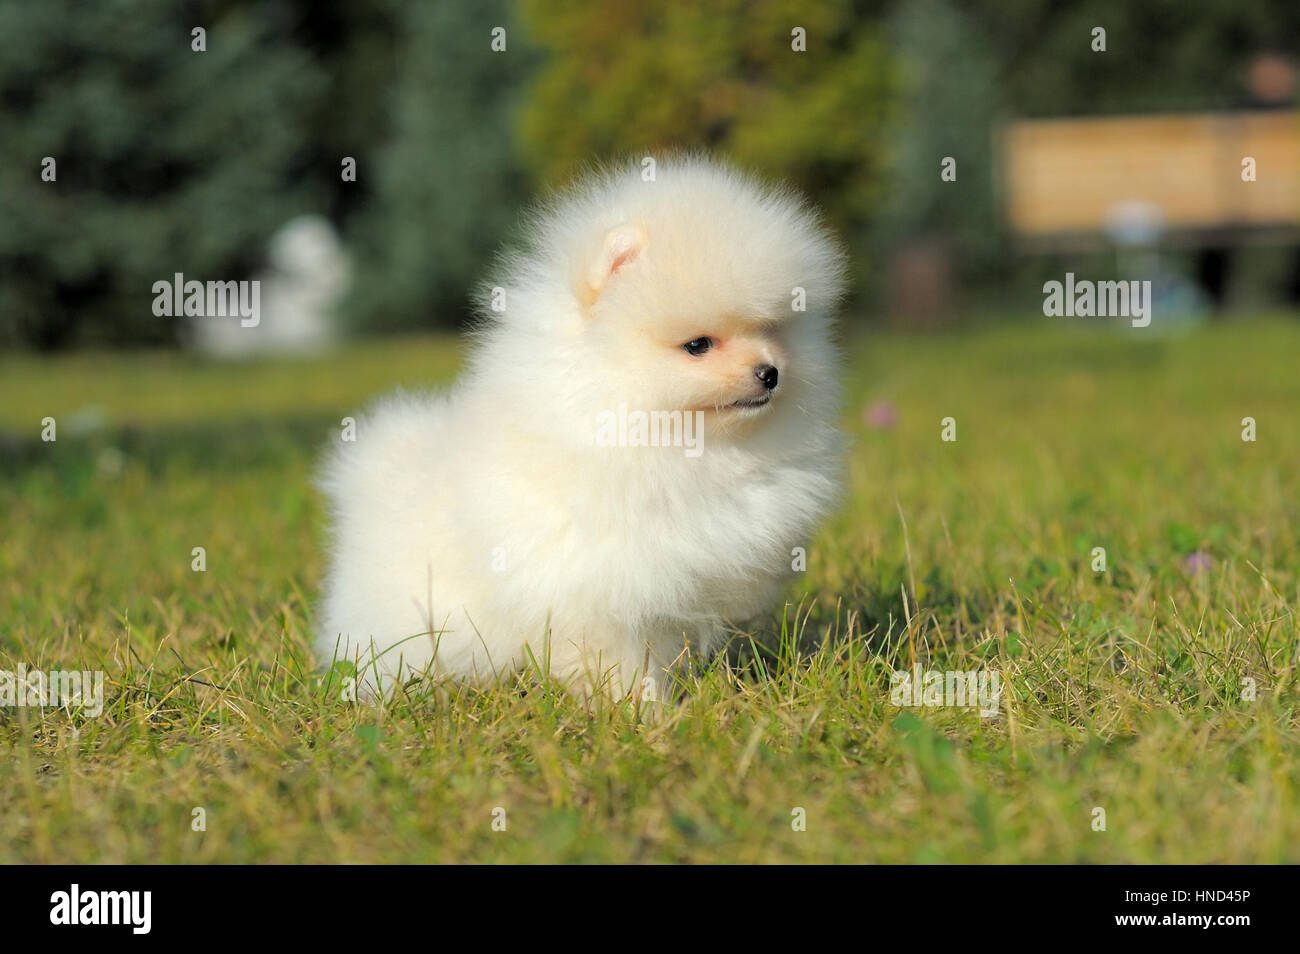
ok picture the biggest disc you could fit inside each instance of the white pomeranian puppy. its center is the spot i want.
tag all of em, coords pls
(644, 435)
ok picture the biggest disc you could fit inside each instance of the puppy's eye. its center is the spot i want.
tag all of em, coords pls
(698, 346)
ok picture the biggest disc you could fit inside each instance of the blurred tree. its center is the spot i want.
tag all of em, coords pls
(1161, 55)
(447, 181)
(355, 45)
(934, 227)
(645, 77)
(168, 160)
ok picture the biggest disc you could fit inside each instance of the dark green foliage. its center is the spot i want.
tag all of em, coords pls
(168, 160)
(172, 160)
(446, 180)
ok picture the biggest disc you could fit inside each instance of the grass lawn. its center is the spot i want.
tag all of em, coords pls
(1161, 690)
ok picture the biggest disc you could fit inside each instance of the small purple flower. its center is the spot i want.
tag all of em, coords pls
(881, 415)
(1197, 563)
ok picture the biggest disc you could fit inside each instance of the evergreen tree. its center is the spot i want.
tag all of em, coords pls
(447, 185)
(727, 76)
(167, 159)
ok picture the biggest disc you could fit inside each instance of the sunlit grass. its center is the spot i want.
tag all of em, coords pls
(1124, 690)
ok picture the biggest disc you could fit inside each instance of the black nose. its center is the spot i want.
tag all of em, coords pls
(767, 374)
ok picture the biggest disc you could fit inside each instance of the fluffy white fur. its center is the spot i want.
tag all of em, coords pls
(480, 530)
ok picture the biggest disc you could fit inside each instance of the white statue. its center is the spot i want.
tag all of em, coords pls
(308, 274)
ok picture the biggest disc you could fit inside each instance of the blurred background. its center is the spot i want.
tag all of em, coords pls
(365, 159)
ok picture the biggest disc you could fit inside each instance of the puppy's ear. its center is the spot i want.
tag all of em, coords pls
(622, 244)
